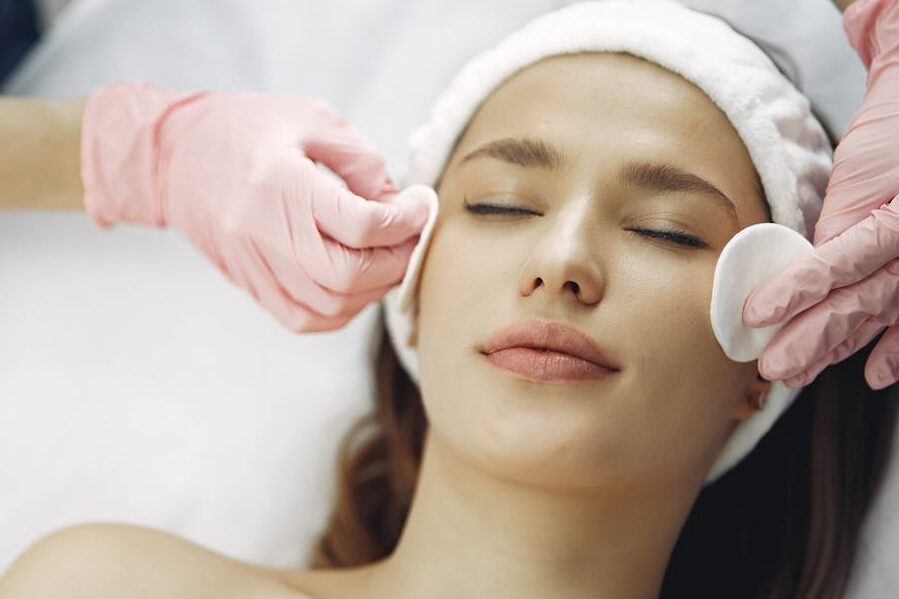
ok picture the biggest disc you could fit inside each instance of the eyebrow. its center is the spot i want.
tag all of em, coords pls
(526, 152)
(666, 177)
(536, 153)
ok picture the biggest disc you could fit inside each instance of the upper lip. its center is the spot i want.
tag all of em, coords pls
(553, 336)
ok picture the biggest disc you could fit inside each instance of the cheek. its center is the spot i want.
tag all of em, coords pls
(452, 298)
(464, 273)
(467, 289)
(450, 307)
(665, 298)
(680, 375)
(665, 302)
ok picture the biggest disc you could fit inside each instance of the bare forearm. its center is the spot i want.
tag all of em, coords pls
(843, 4)
(40, 153)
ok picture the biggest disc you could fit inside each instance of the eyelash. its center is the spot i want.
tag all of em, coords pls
(679, 237)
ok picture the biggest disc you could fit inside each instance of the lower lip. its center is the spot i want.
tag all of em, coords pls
(546, 365)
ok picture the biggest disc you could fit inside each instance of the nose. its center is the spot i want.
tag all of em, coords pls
(565, 261)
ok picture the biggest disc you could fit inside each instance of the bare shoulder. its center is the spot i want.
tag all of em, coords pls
(123, 560)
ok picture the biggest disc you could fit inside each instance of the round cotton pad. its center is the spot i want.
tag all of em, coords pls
(752, 256)
(410, 279)
(400, 300)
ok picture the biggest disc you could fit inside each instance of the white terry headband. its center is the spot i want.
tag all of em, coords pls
(788, 146)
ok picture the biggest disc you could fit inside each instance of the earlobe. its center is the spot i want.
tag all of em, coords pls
(755, 400)
(764, 387)
(760, 400)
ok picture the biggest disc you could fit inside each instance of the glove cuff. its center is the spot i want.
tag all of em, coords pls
(122, 157)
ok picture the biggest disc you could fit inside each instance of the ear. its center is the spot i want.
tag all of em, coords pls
(748, 404)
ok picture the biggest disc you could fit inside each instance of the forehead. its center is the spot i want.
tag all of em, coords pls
(602, 108)
(602, 88)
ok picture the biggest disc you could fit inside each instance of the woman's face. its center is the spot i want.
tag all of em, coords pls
(585, 147)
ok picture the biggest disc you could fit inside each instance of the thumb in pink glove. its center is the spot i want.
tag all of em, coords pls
(840, 297)
(236, 173)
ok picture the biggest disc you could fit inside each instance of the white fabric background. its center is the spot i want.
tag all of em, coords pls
(137, 385)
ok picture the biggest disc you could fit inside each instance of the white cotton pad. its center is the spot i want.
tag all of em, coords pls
(751, 257)
(410, 279)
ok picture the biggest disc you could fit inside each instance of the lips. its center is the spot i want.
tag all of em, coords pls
(552, 337)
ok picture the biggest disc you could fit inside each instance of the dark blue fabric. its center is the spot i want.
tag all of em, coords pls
(18, 32)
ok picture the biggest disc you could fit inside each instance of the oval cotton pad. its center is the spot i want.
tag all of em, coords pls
(751, 257)
(408, 286)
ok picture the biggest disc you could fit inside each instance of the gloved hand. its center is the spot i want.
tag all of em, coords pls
(236, 173)
(843, 295)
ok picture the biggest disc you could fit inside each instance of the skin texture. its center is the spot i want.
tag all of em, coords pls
(534, 489)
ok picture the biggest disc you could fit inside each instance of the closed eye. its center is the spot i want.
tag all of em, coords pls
(674, 236)
(496, 209)
(678, 237)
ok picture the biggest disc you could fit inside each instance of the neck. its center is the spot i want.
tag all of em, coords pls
(471, 533)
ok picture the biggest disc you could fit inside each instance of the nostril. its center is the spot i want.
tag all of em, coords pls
(575, 287)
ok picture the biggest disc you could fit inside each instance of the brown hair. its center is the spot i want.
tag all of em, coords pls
(782, 524)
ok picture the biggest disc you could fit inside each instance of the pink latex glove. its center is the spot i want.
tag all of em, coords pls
(843, 295)
(235, 173)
